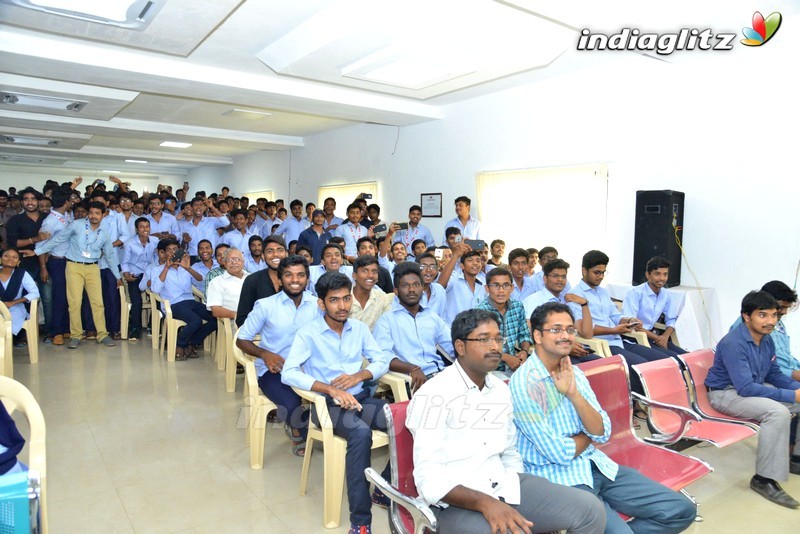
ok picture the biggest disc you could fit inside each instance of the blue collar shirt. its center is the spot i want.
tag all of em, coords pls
(351, 233)
(546, 421)
(437, 302)
(206, 228)
(527, 289)
(201, 268)
(783, 347)
(238, 240)
(538, 298)
(460, 297)
(176, 288)
(53, 224)
(471, 230)
(85, 245)
(412, 234)
(604, 311)
(168, 224)
(137, 258)
(324, 355)
(647, 306)
(413, 339)
(291, 228)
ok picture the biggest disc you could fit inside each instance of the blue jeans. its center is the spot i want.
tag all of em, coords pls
(654, 507)
(193, 313)
(111, 300)
(59, 321)
(289, 408)
(356, 427)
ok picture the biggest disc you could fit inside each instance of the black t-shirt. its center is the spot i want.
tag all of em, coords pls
(256, 286)
(23, 227)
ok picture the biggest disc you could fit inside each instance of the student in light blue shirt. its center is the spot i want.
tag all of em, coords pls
(240, 236)
(559, 420)
(434, 296)
(277, 319)
(464, 290)
(139, 254)
(253, 258)
(205, 262)
(414, 231)
(546, 255)
(326, 356)
(469, 226)
(201, 227)
(411, 331)
(162, 225)
(518, 260)
(648, 301)
(293, 226)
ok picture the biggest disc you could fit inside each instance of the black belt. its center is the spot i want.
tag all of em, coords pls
(709, 388)
(82, 262)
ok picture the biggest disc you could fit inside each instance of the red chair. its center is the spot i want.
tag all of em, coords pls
(663, 381)
(697, 365)
(609, 380)
(407, 512)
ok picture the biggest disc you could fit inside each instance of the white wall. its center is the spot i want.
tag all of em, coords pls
(257, 171)
(22, 176)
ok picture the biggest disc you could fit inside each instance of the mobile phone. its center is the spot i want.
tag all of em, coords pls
(403, 226)
(458, 238)
(380, 228)
(588, 349)
(366, 196)
(101, 182)
(475, 244)
(438, 254)
(178, 255)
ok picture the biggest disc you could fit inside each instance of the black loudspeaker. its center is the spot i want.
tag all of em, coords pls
(658, 215)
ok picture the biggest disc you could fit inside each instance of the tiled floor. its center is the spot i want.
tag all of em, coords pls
(136, 444)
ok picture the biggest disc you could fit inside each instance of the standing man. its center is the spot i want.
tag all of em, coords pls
(410, 331)
(88, 242)
(498, 250)
(291, 228)
(558, 420)
(326, 357)
(277, 318)
(5, 215)
(468, 468)
(511, 315)
(262, 284)
(414, 231)
(201, 227)
(162, 225)
(745, 381)
(331, 220)
(469, 226)
(139, 256)
(269, 219)
(316, 236)
(23, 232)
(53, 266)
(240, 236)
(352, 231)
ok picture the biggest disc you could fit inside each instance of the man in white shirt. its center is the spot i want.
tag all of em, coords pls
(469, 226)
(222, 299)
(291, 228)
(466, 464)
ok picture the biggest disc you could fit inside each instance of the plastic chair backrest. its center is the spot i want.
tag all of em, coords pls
(663, 381)
(401, 458)
(698, 363)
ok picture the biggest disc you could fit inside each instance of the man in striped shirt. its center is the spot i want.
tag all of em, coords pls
(559, 420)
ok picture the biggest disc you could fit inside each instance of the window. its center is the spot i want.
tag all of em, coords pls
(564, 207)
(345, 194)
(255, 195)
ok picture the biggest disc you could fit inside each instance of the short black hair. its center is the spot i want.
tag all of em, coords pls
(364, 261)
(780, 291)
(295, 202)
(198, 243)
(254, 238)
(274, 239)
(468, 320)
(657, 262)
(167, 241)
(547, 250)
(141, 220)
(414, 243)
(414, 208)
(374, 207)
(298, 248)
(405, 268)
(220, 247)
(557, 263)
(451, 230)
(332, 281)
(593, 258)
(29, 191)
(540, 314)
(463, 199)
(518, 253)
(362, 240)
(425, 256)
(497, 242)
(469, 254)
(61, 196)
(331, 245)
(354, 206)
(496, 272)
(236, 212)
(758, 300)
(290, 261)
(96, 205)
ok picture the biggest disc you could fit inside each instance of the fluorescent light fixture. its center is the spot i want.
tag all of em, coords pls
(28, 140)
(41, 101)
(131, 14)
(246, 114)
(112, 172)
(135, 161)
(175, 144)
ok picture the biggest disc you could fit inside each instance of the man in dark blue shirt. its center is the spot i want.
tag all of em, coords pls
(315, 236)
(745, 381)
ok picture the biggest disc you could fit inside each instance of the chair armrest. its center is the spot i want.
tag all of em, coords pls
(397, 382)
(686, 416)
(599, 346)
(639, 337)
(420, 512)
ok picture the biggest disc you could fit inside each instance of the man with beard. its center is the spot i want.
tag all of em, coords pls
(327, 357)
(264, 283)
(369, 302)
(162, 225)
(414, 232)
(331, 220)
(23, 231)
(277, 318)
(254, 258)
(291, 228)
(411, 331)
(204, 264)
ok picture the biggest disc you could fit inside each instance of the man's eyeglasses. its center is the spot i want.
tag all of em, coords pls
(496, 286)
(234, 260)
(555, 331)
(433, 267)
(558, 276)
(487, 341)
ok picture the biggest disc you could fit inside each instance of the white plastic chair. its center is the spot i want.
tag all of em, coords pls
(31, 327)
(257, 406)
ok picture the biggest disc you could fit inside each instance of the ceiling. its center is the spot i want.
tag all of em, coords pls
(304, 67)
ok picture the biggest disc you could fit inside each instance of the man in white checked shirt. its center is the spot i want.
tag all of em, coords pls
(559, 419)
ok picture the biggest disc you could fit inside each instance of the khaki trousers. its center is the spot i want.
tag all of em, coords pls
(82, 276)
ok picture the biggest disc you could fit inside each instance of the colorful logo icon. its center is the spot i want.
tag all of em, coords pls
(762, 30)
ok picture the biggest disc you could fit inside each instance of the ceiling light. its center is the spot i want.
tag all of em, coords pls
(27, 140)
(40, 101)
(175, 144)
(246, 114)
(135, 161)
(131, 14)
(111, 172)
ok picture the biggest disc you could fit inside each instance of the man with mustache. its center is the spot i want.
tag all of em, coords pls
(262, 284)
(559, 420)
(466, 463)
(745, 381)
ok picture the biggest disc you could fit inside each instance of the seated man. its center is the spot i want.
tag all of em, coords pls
(205, 262)
(366, 247)
(330, 350)
(558, 419)
(434, 296)
(219, 270)
(546, 255)
(466, 463)
(518, 260)
(369, 301)
(222, 299)
(172, 282)
(511, 315)
(277, 318)
(332, 257)
(410, 331)
(745, 381)
(264, 283)
(648, 301)
(465, 289)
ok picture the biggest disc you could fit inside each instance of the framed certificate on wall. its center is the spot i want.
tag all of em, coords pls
(431, 204)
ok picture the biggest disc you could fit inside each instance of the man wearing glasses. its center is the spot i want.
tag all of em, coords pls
(511, 314)
(559, 420)
(434, 296)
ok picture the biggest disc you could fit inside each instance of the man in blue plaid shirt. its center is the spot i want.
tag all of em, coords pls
(559, 420)
(511, 314)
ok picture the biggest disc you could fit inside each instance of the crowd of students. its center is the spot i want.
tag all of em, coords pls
(324, 293)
